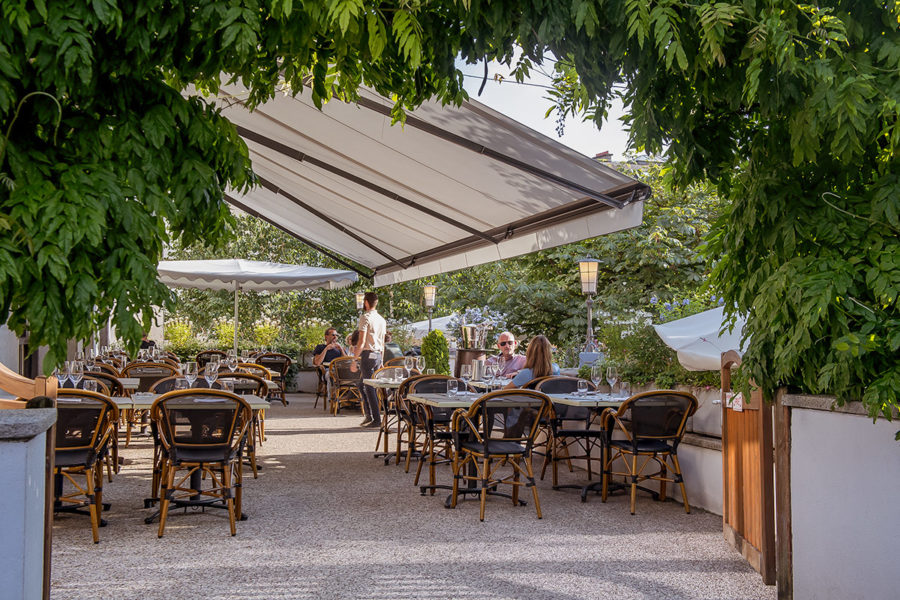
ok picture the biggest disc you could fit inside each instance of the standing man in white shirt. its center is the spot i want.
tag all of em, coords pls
(370, 350)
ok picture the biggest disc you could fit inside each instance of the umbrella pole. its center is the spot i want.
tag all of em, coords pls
(236, 291)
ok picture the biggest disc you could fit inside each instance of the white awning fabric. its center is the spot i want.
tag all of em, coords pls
(697, 341)
(452, 188)
(249, 275)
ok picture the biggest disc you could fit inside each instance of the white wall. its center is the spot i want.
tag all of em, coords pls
(22, 528)
(702, 470)
(845, 486)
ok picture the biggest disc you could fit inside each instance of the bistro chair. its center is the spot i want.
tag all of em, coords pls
(104, 367)
(112, 383)
(395, 362)
(101, 385)
(247, 384)
(84, 430)
(657, 423)
(569, 428)
(497, 430)
(201, 433)
(410, 433)
(437, 446)
(386, 403)
(278, 363)
(205, 356)
(254, 369)
(148, 373)
(345, 383)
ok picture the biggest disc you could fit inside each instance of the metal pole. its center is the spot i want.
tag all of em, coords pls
(429, 319)
(589, 345)
(237, 289)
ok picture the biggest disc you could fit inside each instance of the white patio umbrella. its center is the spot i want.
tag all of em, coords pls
(697, 341)
(238, 274)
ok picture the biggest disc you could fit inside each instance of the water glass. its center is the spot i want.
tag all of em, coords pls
(465, 374)
(612, 376)
(582, 387)
(76, 371)
(228, 385)
(452, 387)
(90, 385)
(429, 371)
(190, 372)
(625, 389)
(596, 374)
(211, 372)
(181, 384)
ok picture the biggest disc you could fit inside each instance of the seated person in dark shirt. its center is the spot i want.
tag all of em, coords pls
(331, 349)
(147, 343)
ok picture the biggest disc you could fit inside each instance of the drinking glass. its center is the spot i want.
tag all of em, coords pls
(79, 355)
(232, 360)
(612, 376)
(409, 362)
(452, 387)
(190, 372)
(62, 374)
(76, 371)
(429, 371)
(228, 385)
(625, 389)
(181, 383)
(465, 374)
(245, 356)
(90, 385)
(596, 374)
(582, 387)
(420, 363)
(104, 350)
(211, 372)
(142, 355)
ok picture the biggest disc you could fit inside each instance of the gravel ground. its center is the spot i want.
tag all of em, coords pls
(327, 520)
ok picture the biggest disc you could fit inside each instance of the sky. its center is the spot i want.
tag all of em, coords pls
(527, 104)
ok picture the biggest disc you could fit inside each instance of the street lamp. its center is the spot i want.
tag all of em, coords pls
(587, 269)
(430, 292)
(360, 301)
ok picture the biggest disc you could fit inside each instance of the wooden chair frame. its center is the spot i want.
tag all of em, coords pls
(223, 475)
(634, 473)
(89, 495)
(483, 467)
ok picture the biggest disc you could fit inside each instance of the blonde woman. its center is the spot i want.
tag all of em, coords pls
(538, 362)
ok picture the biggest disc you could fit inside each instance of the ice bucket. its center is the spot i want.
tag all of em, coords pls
(478, 369)
(469, 336)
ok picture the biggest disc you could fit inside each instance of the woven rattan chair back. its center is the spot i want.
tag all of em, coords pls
(205, 356)
(274, 361)
(245, 383)
(148, 373)
(84, 419)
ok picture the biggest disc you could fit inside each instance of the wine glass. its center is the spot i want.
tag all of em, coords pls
(596, 374)
(211, 372)
(465, 374)
(612, 376)
(62, 374)
(190, 372)
(420, 363)
(76, 371)
(452, 387)
(232, 360)
(582, 387)
(490, 374)
(409, 363)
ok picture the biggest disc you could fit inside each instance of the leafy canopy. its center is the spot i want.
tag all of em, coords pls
(791, 109)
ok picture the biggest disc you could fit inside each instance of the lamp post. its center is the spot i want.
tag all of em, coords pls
(587, 269)
(430, 292)
(360, 301)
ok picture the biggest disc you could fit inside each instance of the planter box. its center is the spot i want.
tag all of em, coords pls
(23, 452)
(844, 485)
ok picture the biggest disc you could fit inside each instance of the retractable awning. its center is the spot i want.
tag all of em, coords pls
(451, 188)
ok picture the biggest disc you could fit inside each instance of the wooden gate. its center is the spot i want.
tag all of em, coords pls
(748, 499)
